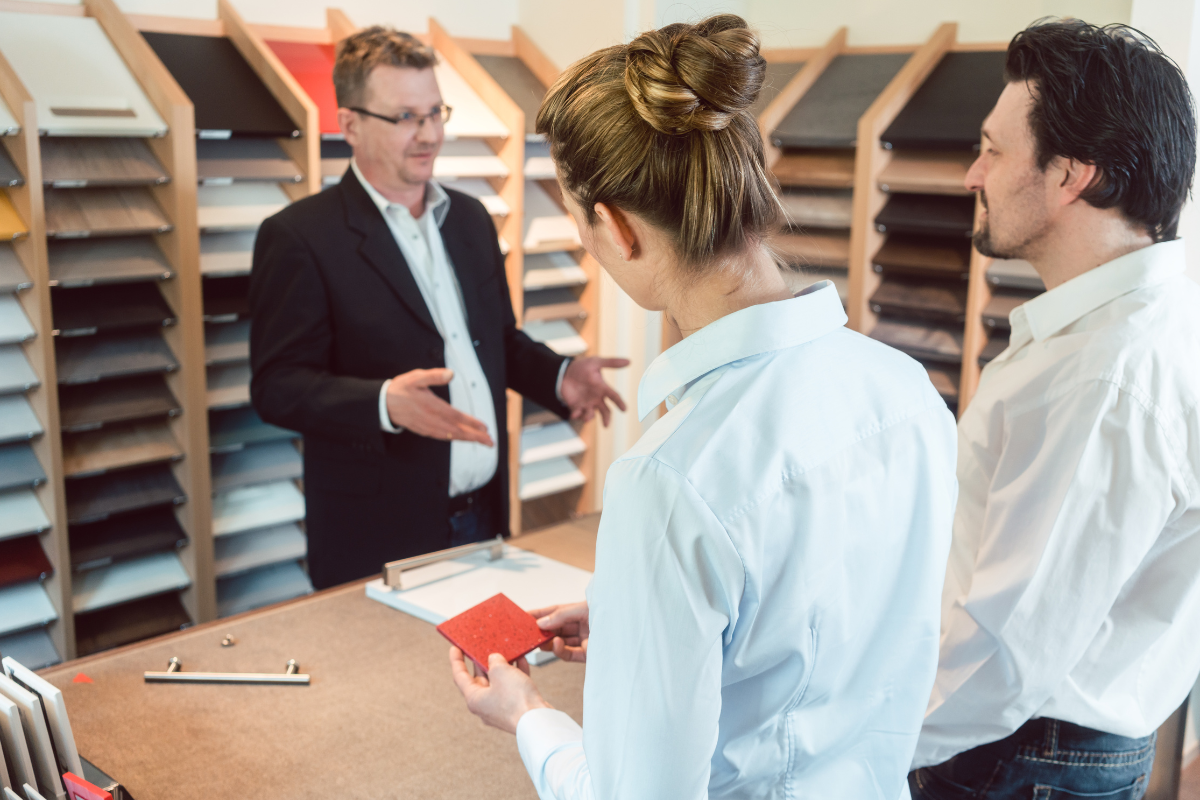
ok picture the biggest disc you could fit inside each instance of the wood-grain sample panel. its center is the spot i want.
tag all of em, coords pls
(935, 301)
(779, 74)
(228, 385)
(226, 254)
(818, 208)
(88, 406)
(226, 343)
(936, 215)
(820, 169)
(927, 173)
(549, 304)
(118, 446)
(932, 256)
(94, 358)
(115, 211)
(129, 535)
(74, 162)
(129, 622)
(225, 299)
(814, 249)
(13, 277)
(119, 260)
(923, 342)
(225, 160)
(21, 513)
(97, 498)
(240, 206)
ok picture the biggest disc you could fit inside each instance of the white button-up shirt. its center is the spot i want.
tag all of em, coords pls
(764, 611)
(1073, 586)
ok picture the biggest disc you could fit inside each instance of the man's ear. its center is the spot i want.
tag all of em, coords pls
(616, 225)
(1077, 178)
(348, 122)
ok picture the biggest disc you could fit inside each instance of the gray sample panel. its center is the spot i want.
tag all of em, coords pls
(14, 325)
(89, 406)
(9, 174)
(261, 587)
(936, 301)
(519, 83)
(227, 342)
(99, 497)
(33, 649)
(948, 110)
(12, 274)
(131, 535)
(828, 114)
(88, 261)
(16, 375)
(19, 467)
(259, 463)
(233, 429)
(938, 215)
(925, 342)
(17, 420)
(244, 159)
(94, 358)
(778, 76)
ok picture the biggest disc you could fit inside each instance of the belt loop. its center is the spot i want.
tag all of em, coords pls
(1051, 740)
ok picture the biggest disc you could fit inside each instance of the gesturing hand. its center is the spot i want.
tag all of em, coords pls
(584, 389)
(502, 696)
(571, 630)
(413, 406)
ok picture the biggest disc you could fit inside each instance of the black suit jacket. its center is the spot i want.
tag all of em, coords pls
(335, 312)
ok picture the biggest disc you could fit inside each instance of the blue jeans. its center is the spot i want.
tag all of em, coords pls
(1044, 760)
(465, 529)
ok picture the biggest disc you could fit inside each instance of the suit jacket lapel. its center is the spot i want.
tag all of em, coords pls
(466, 258)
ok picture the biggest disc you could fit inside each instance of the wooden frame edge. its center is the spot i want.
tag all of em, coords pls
(534, 57)
(783, 103)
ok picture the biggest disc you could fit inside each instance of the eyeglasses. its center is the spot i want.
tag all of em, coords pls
(410, 119)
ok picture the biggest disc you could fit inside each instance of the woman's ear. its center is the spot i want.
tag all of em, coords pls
(615, 225)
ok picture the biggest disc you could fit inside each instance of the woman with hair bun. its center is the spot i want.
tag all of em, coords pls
(763, 620)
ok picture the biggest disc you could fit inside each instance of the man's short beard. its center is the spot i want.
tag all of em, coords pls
(982, 239)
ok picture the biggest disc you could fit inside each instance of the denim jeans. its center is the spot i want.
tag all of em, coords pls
(1044, 760)
(465, 529)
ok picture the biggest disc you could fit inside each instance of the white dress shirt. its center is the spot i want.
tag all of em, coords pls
(1073, 586)
(764, 611)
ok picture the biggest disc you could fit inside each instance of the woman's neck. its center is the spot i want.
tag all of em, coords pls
(739, 286)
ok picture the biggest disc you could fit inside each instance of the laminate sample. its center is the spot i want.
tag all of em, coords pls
(88, 310)
(74, 162)
(86, 262)
(225, 299)
(548, 227)
(539, 166)
(33, 648)
(932, 256)
(467, 158)
(228, 385)
(261, 506)
(1015, 274)
(995, 313)
(93, 358)
(229, 97)
(935, 215)
(88, 406)
(261, 587)
(76, 76)
(550, 304)
(818, 208)
(549, 477)
(558, 335)
(224, 254)
(11, 225)
(937, 302)
(15, 327)
(550, 270)
(225, 343)
(18, 423)
(335, 160)
(123, 581)
(118, 446)
(519, 83)
(779, 74)
(311, 65)
(482, 191)
(129, 622)
(19, 467)
(921, 341)
(945, 379)
(125, 536)
(94, 499)
(16, 375)
(12, 274)
(820, 169)
(23, 560)
(9, 174)
(556, 440)
(115, 211)
(827, 115)
(927, 173)
(948, 110)
(8, 123)
(24, 606)
(814, 249)
(21, 513)
(472, 117)
(240, 206)
(256, 464)
(235, 555)
(226, 160)
(996, 345)
(799, 278)
(532, 414)
(232, 429)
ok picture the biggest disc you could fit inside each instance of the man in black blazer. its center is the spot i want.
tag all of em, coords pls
(382, 329)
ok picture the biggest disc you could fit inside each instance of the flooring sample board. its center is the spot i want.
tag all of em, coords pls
(921, 341)
(934, 301)
(550, 270)
(19, 467)
(262, 587)
(548, 304)
(256, 464)
(945, 380)
(779, 74)
(532, 414)
(549, 477)
(229, 97)
(227, 253)
(932, 256)
(1015, 274)
(16, 375)
(799, 279)
(935, 215)
(548, 227)
(118, 446)
(828, 113)
(235, 555)
(78, 80)
(87, 262)
(94, 499)
(927, 173)
(123, 581)
(41, 749)
(828, 169)
(93, 358)
(54, 712)
(262, 506)
(828, 208)
(12, 275)
(74, 162)
(18, 423)
(227, 342)
(497, 625)
(115, 211)
(8, 123)
(228, 385)
(519, 83)
(482, 191)
(23, 560)
(311, 65)
(550, 441)
(558, 335)
(89, 310)
(130, 622)
(472, 118)
(231, 430)
(539, 166)
(16, 749)
(222, 161)
(9, 174)
(240, 206)
(33, 648)
(467, 158)
(15, 327)
(948, 110)
(125, 536)
(814, 249)
(89, 406)
(24, 606)
(21, 513)
(995, 313)
(11, 226)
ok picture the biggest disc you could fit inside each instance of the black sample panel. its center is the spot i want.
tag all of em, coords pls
(226, 299)
(827, 115)
(947, 111)
(779, 74)
(9, 174)
(88, 406)
(19, 466)
(100, 309)
(928, 256)
(23, 560)
(125, 536)
(519, 83)
(129, 622)
(938, 215)
(936, 301)
(229, 97)
(256, 464)
(93, 499)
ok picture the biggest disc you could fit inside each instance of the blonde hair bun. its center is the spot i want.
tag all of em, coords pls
(685, 78)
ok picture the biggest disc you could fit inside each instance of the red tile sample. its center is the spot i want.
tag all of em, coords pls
(497, 625)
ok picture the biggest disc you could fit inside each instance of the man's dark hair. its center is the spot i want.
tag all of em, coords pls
(1110, 97)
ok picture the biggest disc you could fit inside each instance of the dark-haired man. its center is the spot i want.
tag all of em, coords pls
(1072, 597)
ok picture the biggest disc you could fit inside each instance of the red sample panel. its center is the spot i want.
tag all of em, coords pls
(312, 67)
(23, 560)
(497, 625)
(79, 789)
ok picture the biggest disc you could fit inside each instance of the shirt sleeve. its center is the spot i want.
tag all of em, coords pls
(385, 419)
(1083, 486)
(663, 599)
(562, 373)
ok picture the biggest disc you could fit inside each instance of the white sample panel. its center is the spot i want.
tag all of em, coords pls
(21, 514)
(261, 588)
(25, 605)
(17, 420)
(549, 477)
(471, 117)
(258, 548)
(257, 507)
(539, 166)
(241, 206)
(468, 158)
(1016, 274)
(547, 226)
(555, 440)
(123, 581)
(552, 270)
(558, 335)
(56, 712)
(78, 80)
(37, 736)
(228, 253)
(14, 325)
(12, 736)
(482, 191)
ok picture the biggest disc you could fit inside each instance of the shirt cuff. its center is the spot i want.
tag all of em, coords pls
(385, 421)
(562, 372)
(540, 734)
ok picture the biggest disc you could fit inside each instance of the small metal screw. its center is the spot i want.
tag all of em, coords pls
(228, 641)
(174, 665)
(292, 667)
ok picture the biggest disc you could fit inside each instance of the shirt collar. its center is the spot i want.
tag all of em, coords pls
(437, 201)
(752, 331)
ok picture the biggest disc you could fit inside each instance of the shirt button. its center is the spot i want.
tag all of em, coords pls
(672, 399)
